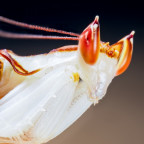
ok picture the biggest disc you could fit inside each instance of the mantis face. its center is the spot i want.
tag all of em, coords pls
(90, 47)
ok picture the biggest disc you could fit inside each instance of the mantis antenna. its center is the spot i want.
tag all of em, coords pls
(35, 27)
(31, 36)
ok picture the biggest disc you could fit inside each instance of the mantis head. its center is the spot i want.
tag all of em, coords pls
(90, 47)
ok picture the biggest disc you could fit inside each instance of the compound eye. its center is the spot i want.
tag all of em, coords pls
(89, 42)
(125, 49)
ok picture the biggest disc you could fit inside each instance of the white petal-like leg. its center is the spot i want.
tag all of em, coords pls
(79, 104)
(38, 107)
(54, 111)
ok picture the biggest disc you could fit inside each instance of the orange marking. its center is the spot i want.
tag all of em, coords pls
(16, 66)
(68, 48)
(1, 70)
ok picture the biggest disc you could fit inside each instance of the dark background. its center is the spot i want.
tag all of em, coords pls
(119, 117)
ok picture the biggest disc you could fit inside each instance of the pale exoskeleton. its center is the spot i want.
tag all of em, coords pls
(42, 95)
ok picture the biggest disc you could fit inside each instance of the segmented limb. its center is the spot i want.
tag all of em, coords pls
(16, 66)
(38, 104)
(79, 104)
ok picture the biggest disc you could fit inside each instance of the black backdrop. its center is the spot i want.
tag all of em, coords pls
(117, 18)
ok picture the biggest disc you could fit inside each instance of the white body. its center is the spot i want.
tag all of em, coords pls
(41, 106)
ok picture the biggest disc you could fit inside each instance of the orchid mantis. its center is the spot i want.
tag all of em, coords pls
(42, 95)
